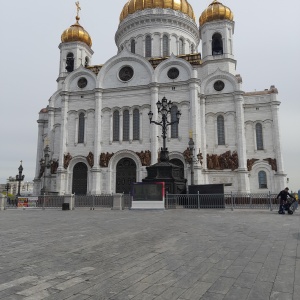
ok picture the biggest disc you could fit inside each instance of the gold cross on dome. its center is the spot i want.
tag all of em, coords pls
(78, 8)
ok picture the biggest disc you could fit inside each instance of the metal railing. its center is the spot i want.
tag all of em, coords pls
(222, 201)
(93, 201)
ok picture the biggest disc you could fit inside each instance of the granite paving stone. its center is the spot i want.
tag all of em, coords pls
(145, 255)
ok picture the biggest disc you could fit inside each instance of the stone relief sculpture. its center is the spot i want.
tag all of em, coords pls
(54, 166)
(90, 159)
(105, 158)
(223, 161)
(145, 157)
(272, 162)
(187, 155)
(250, 163)
(67, 159)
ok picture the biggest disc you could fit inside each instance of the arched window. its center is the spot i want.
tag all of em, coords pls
(148, 47)
(262, 180)
(81, 128)
(165, 45)
(174, 127)
(181, 49)
(116, 126)
(136, 124)
(217, 44)
(70, 62)
(221, 130)
(259, 137)
(126, 125)
(132, 45)
(86, 62)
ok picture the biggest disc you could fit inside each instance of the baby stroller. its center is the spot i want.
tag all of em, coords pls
(289, 206)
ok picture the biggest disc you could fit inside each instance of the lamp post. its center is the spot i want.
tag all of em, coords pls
(45, 164)
(20, 178)
(164, 108)
(192, 148)
(7, 187)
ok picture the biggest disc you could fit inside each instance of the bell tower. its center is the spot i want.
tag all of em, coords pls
(75, 48)
(216, 32)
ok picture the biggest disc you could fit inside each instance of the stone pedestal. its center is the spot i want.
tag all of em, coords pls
(118, 202)
(2, 202)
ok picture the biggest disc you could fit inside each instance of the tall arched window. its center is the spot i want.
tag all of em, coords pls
(148, 46)
(262, 180)
(181, 49)
(221, 130)
(116, 126)
(132, 45)
(70, 62)
(86, 62)
(126, 125)
(81, 128)
(259, 137)
(174, 127)
(165, 45)
(136, 124)
(217, 44)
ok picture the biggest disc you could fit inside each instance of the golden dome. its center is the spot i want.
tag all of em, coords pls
(216, 11)
(76, 33)
(134, 5)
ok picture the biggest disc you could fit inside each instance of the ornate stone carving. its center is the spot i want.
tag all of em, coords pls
(105, 158)
(67, 159)
(54, 166)
(250, 163)
(187, 155)
(145, 157)
(200, 157)
(272, 162)
(90, 159)
(223, 161)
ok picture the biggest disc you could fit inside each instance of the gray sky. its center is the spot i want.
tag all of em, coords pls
(266, 47)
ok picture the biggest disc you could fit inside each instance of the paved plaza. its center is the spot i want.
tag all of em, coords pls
(143, 255)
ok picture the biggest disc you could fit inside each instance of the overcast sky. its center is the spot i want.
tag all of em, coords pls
(266, 47)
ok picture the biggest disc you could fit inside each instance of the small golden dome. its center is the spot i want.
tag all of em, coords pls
(216, 11)
(76, 33)
(134, 5)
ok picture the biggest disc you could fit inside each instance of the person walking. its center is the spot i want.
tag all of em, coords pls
(283, 199)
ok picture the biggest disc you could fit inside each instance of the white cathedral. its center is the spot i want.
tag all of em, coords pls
(95, 136)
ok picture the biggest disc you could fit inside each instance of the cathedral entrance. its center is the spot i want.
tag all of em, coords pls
(125, 175)
(79, 186)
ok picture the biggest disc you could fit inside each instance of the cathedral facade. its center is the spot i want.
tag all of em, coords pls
(95, 136)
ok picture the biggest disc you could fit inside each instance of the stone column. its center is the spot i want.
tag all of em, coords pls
(203, 130)
(61, 171)
(280, 176)
(244, 185)
(154, 128)
(96, 170)
(194, 121)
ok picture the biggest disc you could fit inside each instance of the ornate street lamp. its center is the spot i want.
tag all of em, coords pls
(164, 108)
(192, 148)
(7, 187)
(20, 178)
(45, 164)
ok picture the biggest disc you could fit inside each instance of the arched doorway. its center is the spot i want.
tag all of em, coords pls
(179, 163)
(79, 185)
(125, 175)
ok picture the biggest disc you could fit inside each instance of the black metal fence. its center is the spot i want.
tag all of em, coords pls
(94, 201)
(222, 201)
